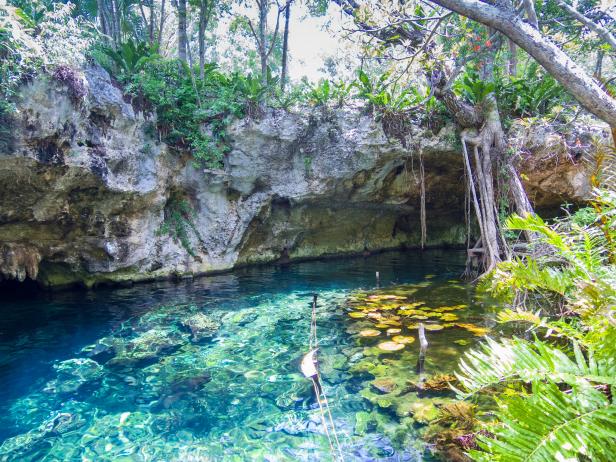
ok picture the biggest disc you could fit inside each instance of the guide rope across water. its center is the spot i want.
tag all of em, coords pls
(310, 369)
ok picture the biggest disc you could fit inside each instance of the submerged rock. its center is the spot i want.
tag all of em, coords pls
(241, 318)
(72, 374)
(201, 326)
(148, 345)
(384, 385)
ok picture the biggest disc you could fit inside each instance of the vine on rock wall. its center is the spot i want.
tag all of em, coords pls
(179, 224)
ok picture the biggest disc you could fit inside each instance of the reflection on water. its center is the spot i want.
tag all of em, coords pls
(204, 369)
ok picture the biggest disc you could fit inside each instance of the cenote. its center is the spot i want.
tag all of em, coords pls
(209, 369)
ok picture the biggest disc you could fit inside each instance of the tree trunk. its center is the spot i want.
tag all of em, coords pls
(263, 7)
(570, 75)
(598, 74)
(117, 22)
(531, 14)
(512, 64)
(203, 20)
(152, 21)
(182, 37)
(192, 75)
(161, 25)
(103, 17)
(285, 45)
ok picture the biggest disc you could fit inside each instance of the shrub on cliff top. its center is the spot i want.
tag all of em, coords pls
(53, 41)
(192, 112)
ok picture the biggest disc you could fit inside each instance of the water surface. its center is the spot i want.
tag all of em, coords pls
(204, 369)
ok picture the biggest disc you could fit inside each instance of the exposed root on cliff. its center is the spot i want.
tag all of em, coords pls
(483, 150)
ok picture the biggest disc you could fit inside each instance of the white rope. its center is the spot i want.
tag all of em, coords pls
(311, 373)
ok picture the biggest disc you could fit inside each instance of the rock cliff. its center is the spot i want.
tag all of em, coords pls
(89, 194)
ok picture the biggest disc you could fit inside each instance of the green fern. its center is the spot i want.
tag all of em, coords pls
(554, 399)
(553, 425)
(498, 363)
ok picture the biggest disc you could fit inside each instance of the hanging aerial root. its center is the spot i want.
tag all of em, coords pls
(482, 193)
(422, 187)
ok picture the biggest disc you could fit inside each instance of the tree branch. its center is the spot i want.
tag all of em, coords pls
(255, 35)
(275, 35)
(593, 26)
(531, 14)
(570, 75)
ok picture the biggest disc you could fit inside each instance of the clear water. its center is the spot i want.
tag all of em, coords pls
(118, 374)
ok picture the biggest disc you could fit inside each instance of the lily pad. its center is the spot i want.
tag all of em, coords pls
(393, 330)
(357, 314)
(410, 312)
(474, 329)
(434, 326)
(385, 297)
(369, 333)
(432, 314)
(449, 317)
(390, 346)
(443, 309)
(403, 339)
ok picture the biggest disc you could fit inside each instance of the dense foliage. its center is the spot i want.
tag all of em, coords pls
(553, 386)
(192, 113)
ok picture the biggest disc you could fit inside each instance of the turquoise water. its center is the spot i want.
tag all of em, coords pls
(202, 370)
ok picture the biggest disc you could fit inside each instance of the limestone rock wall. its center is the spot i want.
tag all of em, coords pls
(88, 192)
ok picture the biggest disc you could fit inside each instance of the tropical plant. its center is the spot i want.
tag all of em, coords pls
(321, 93)
(372, 90)
(530, 95)
(554, 396)
(193, 113)
(471, 87)
(549, 424)
(128, 57)
(250, 87)
(179, 224)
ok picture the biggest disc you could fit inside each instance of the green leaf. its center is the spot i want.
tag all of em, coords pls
(498, 363)
(553, 425)
(363, 78)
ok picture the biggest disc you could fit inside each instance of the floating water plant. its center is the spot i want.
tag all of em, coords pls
(449, 317)
(475, 329)
(391, 346)
(357, 314)
(369, 333)
(403, 339)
